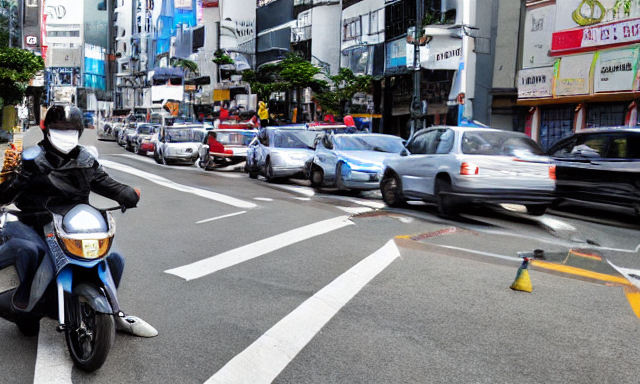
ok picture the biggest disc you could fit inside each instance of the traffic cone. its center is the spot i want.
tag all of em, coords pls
(523, 281)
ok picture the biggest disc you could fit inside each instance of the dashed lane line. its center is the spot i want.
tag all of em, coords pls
(179, 187)
(268, 356)
(355, 210)
(220, 217)
(53, 363)
(250, 251)
(306, 191)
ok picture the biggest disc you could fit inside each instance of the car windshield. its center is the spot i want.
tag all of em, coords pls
(183, 136)
(235, 138)
(146, 129)
(294, 139)
(493, 143)
(391, 144)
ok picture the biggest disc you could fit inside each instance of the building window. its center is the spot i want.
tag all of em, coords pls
(32, 3)
(301, 2)
(606, 115)
(352, 29)
(556, 123)
(376, 23)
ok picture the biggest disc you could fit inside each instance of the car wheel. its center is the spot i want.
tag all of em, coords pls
(317, 177)
(339, 180)
(442, 190)
(156, 157)
(391, 191)
(164, 160)
(536, 210)
(128, 146)
(268, 171)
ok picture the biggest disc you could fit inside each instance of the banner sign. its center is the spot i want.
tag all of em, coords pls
(535, 82)
(615, 70)
(538, 30)
(597, 37)
(441, 53)
(573, 75)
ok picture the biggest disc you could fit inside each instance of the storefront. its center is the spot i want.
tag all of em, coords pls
(588, 79)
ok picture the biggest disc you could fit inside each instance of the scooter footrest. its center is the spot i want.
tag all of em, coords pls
(9, 279)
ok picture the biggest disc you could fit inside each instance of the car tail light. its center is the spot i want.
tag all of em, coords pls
(228, 151)
(469, 169)
(552, 172)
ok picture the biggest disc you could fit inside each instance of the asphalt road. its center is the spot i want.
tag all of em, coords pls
(307, 286)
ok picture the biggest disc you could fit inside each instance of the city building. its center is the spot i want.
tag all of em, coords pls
(579, 67)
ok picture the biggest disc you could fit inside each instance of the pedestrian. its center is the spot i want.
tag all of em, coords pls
(23, 115)
(224, 111)
(263, 114)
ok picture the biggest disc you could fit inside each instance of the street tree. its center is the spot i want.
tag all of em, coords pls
(188, 67)
(17, 67)
(345, 86)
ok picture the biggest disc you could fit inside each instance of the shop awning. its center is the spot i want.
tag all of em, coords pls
(167, 73)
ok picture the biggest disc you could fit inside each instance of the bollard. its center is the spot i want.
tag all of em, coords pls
(523, 281)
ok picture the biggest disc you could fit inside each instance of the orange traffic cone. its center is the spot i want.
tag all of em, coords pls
(523, 281)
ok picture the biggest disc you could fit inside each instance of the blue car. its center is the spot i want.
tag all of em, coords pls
(351, 161)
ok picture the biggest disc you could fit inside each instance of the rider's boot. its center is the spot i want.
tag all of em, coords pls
(135, 326)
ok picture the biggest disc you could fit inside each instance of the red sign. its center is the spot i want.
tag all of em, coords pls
(595, 37)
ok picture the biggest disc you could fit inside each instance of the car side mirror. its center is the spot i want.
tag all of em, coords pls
(404, 152)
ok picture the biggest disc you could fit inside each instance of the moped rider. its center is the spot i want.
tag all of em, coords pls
(55, 176)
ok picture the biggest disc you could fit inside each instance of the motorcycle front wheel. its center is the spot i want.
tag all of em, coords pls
(90, 340)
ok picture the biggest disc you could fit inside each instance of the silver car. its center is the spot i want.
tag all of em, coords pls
(351, 161)
(456, 166)
(179, 144)
(279, 153)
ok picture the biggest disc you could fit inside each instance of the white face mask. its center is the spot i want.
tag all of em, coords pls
(63, 141)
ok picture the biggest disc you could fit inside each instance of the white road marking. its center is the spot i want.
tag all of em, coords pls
(179, 187)
(554, 224)
(220, 217)
(355, 210)
(299, 189)
(303, 198)
(192, 169)
(262, 199)
(268, 356)
(53, 363)
(250, 251)
(367, 203)
(495, 255)
(633, 275)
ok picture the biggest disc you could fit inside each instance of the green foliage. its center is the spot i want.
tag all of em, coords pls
(293, 72)
(17, 67)
(187, 66)
(221, 58)
(346, 85)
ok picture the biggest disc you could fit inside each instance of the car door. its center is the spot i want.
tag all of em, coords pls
(579, 174)
(418, 169)
(326, 158)
(619, 173)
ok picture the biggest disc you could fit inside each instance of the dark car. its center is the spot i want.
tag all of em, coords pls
(600, 167)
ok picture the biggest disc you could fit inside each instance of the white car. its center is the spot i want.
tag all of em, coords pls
(457, 166)
(179, 144)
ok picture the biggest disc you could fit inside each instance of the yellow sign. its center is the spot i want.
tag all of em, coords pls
(595, 12)
(221, 94)
(189, 88)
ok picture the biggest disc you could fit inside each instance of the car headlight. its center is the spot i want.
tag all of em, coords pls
(87, 248)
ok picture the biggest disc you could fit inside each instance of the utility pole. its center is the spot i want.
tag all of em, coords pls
(419, 40)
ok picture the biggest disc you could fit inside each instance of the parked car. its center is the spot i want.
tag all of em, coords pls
(141, 142)
(230, 147)
(600, 167)
(457, 166)
(351, 161)
(280, 152)
(179, 144)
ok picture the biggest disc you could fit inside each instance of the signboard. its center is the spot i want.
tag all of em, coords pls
(535, 82)
(597, 37)
(64, 20)
(221, 94)
(615, 70)
(396, 54)
(538, 29)
(441, 53)
(573, 75)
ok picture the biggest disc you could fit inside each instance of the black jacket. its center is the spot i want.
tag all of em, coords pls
(53, 181)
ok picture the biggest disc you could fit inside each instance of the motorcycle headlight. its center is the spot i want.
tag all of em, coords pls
(87, 248)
